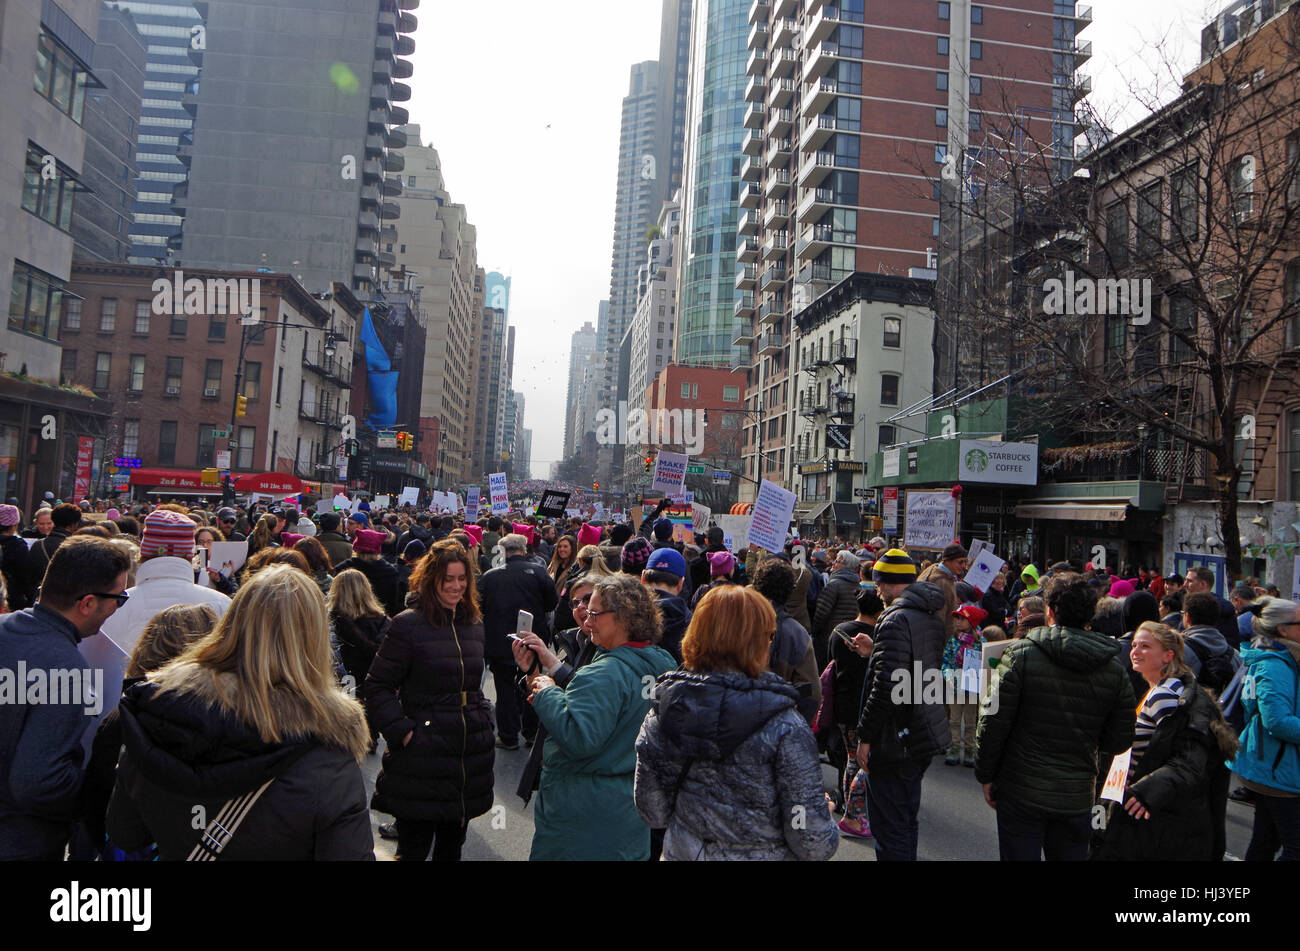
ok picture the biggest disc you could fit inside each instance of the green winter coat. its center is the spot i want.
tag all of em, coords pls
(585, 805)
(1061, 698)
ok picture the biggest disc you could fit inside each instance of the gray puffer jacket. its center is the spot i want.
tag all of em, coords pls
(727, 765)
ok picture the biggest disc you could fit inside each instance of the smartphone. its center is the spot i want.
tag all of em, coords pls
(844, 637)
(525, 623)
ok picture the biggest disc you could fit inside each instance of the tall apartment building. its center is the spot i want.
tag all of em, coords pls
(670, 106)
(292, 161)
(437, 249)
(582, 345)
(852, 116)
(103, 216)
(715, 104)
(46, 51)
(524, 455)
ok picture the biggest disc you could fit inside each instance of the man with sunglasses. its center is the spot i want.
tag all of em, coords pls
(44, 705)
(227, 519)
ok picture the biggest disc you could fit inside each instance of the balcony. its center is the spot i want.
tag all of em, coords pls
(744, 335)
(403, 69)
(780, 121)
(810, 405)
(406, 23)
(821, 25)
(744, 309)
(381, 69)
(754, 116)
(783, 32)
(777, 184)
(776, 274)
(1082, 53)
(783, 62)
(366, 246)
(394, 162)
(782, 93)
(367, 221)
(398, 115)
(752, 144)
(387, 234)
(749, 195)
(751, 170)
(782, 9)
(384, 45)
(757, 37)
(401, 92)
(387, 22)
(776, 214)
(748, 224)
(778, 152)
(815, 168)
(817, 131)
(328, 368)
(758, 11)
(815, 203)
(821, 59)
(386, 259)
(372, 171)
(1082, 17)
(404, 46)
(773, 310)
(390, 211)
(190, 97)
(374, 145)
(776, 245)
(180, 196)
(747, 250)
(813, 240)
(396, 139)
(324, 414)
(185, 147)
(756, 65)
(377, 120)
(1082, 87)
(392, 187)
(746, 277)
(771, 342)
(845, 354)
(756, 90)
(818, 96)
(361, 271)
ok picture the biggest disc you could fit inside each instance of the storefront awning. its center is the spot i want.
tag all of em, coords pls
(1115, 510)
(811, 513)
(847, 513)
(170, 479)
(270, 483)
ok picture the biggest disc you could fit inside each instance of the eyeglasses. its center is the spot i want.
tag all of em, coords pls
(120, 598)
(595, 614)
(582, 601)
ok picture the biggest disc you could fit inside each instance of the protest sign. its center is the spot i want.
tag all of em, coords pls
(1117, 778)
(499, 493)
(554, 504)
(984, 570)
(735, 527)
(471, 502)
(700, 517)
(931, 521)
(410, 495)
(670, 473)
(772, 513)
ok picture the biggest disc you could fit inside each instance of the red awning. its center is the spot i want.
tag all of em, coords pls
(169, 478)
(272, 483)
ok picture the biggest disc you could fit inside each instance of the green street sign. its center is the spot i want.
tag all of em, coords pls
(695, 470)
(220, 434)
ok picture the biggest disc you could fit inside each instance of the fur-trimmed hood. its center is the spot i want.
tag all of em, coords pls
(182, 732)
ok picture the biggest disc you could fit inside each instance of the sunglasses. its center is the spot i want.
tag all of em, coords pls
(121, 598)
(583, 601)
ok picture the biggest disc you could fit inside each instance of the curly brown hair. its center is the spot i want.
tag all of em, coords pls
(430, 571)
(634, 605)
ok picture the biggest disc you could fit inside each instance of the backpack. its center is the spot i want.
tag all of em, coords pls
(1217, 670)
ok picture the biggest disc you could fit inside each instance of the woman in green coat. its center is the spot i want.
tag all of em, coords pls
(585, 805)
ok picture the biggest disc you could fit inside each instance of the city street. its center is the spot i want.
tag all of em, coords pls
(956, 825)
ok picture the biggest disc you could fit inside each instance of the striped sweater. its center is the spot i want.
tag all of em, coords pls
(1160, 701)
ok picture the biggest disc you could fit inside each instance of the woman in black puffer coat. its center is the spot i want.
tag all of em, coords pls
(423, 694)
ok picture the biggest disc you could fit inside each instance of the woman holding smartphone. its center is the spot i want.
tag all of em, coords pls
(423, 695)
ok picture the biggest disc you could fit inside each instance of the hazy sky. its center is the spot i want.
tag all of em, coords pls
(522, 100)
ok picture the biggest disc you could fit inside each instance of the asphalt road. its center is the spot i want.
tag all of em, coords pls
(956, 824)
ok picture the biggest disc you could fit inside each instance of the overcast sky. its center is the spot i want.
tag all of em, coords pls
(522, 100)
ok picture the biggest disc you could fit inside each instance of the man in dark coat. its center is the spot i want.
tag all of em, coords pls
(792, 656)
(1063, 706)
(337, 545)
(900, 731)
(66, 520)
(518, 585)
(665, 575)
(1200, 579)
(836, 604)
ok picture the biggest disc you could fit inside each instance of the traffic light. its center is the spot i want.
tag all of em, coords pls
(405, 441)
(595, 487)
(350, 448)
(241, 406)
(649, 463)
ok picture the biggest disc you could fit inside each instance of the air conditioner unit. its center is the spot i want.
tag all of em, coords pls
(209, 391)
(173, 391)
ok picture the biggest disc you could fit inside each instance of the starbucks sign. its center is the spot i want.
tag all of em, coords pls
(1002, 463)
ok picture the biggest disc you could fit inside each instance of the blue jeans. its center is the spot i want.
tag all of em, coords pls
(893, 802)
(1027, 835)
(1277, 823)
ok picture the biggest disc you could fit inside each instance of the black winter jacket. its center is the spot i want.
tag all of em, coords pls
(1062, 698)
(13, 562)
(837, 603)
(676, 617)
(518, 585)
(850, 673)
(426, 681)
(359, 640)
(908, 632)
(383, 581)
(184, 749)
(1172, 780)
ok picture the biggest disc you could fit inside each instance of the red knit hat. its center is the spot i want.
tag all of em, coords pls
(367, 542)
(167, 533)
(973, 613)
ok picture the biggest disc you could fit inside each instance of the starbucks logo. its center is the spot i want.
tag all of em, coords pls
(977, 460)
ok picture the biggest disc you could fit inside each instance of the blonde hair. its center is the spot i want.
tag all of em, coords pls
(129, 545)
(351, 596)
(598, 567)
(1169, 640)
(274, 640)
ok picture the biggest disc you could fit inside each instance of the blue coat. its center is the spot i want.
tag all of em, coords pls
(585, 805)
(1270, 744)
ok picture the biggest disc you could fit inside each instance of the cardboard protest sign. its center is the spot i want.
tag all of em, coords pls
(670, 473)
(771, 516)
(499, 493)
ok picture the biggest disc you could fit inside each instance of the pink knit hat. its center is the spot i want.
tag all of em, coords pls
(367, 542)
(526, 530)
(112, 515)
(9, 515)
(475, 533)
(588, 535)
(721, 563)
(288, 540)
(167, 533)
(1119, 588)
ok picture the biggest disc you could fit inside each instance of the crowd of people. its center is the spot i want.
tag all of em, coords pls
(671, 698)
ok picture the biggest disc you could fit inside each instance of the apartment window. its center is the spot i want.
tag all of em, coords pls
(731, 421)
(940, 154)
(945, 11)
(885, 437)
(143, 311)
(976, 14)
(889, 389)
(893, 333)
(976, 85)
(172, 381)
(1292, 291)
(844, 225)
(686, 391)
(49, 197)
(217, 327)
(180, 325)
(1293, 168)
(1242, 186)
(731, 394)
(103, 370)
(35, 300)
(131, 437)
(1117, 234)
(136, 383)
(247, 436)
(1185, 211)
(60, 77)
(107, 316)
(410, 180)
(252, 382)
(849, 41)
(1149, 218)
(279, 386)
(943, 46)
(934, 227)
(206, 443)
(941, 82)
(72, 313)
(976, 120)
(167, 442)
(1116, 337)
(1182, 317)
(212, 379)
(976, 49)
(1294, 455)
(941, 117)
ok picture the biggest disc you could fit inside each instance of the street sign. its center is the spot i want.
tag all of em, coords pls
(839, 436)
(721, 478)
(220, 434)
(387, 440)
(695, 470)
(223, 458)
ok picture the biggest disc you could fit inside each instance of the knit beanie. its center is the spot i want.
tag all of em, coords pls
(9, 515)
(475, 533)
(588, 535)
(635, 555)
(306, 527)
(288, 539)
(894, 567)
(367, 542)
(721, 564)
(663, 530)
(167, 533)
